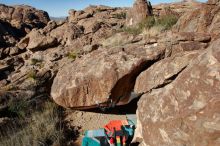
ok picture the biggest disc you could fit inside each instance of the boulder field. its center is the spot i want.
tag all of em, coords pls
(87, 60)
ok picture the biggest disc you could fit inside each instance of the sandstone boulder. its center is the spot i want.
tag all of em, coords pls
(138, 12)
(163, 72)
(24, 17)
(101, 75)
(213, 2)
(186, 111)
(177, 42)
(176, 8)
(36, 40)
(204, 19)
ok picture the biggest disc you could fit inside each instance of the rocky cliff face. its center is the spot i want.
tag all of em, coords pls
(84, 62)
(180, 100)
(184, 111)
(30, 63)
(24, 17)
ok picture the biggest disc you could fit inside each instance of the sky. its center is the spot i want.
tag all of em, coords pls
(59, 8)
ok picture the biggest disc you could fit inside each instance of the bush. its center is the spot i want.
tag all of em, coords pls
(132, 30)
(35, 61)
(44, 129)
(163, 22)
(32, 75)
(167, 21)
(18, 108)
(121, 15)
(147, 23)
(72, 55)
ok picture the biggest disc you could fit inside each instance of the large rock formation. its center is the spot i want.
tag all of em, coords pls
(140, 11)
(23, 17)
(204, 19)
(186, 111)
(177, 8)
(163, 72)
(213, 2)
(101, 75)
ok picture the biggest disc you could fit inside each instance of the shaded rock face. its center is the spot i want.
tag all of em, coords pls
(99, 76)
(163, 72)
(24, 17)
(205, 19)
(8, 35)
(186, 111)
(138, 12)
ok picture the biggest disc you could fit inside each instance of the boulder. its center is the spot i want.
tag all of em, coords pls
(36, 40)
(101, 75)
(186, 111)
(177, 42)
(204, 19)
(163, 72)
(90, 25)
(75, 16)
(140, 11)
(176, 8)
(24, 17)
(66, 33)
(213, 2)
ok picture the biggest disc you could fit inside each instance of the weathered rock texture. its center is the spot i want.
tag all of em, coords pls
(204, 19)
(177, 8)
(163, 72)
(100, 75)
(23, 17)
(186, 111)
(138, 12)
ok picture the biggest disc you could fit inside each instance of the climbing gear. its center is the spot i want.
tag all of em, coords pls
(120, 131)
(95, 133)
(115, 133)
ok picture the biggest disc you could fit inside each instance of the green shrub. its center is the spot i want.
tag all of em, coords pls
(164, 22)
(72, 55)
(147, 23)
(121, 15)
(132, 30)
(18, 108)
(35, 61)
(32, 75)
(167, 21)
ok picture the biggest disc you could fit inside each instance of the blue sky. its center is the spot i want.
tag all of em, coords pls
(58, 8)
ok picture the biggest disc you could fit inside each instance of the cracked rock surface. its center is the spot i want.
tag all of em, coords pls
(186, 111)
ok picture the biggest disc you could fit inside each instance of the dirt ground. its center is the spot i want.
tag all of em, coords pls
(95, 119)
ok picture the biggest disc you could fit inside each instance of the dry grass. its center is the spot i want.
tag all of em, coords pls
(153, 25)
(43, 129)
(153, 31)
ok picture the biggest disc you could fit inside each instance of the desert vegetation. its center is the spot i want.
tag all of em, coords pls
(121, 15)
(42, 126)
(72, 55)
(152, 24)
